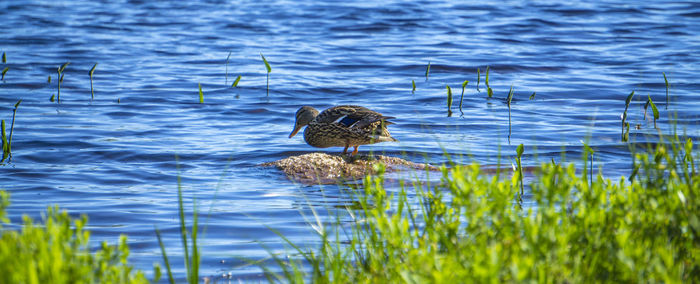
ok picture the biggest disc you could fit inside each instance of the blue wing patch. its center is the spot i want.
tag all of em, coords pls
(348, 121)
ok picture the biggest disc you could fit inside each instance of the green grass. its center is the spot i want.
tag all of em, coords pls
(478, 79)
(269, 69)
(625, 134)
(7, 141)
(60, 71)
(449, 100)
(468, 228)
(191, 262)
(464, 85)
(92, 91)
(201, 95)
(57, 250)
(427, 71)
(666, 83)
(235, 82)
(489, 91)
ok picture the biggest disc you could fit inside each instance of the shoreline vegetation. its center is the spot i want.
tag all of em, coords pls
(470, 227)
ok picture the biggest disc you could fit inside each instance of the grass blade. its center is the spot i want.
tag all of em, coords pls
(201, 95)
(478, 79)
(487, 77)
(427, 71)
(413, 82)
(464, 85)
(510, 96)
(666, 82)
(3, 72)
(235, 83)
(267, 65)
(4, 57)
(449, 100)
(171, 279)
(532, 97)
(269, 69)
(92, 91)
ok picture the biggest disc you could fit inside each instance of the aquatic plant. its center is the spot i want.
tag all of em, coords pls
(508, 100)
(532, 97)
(58, 250)
(427, 71)
(7, 141)
(201, 95)
(624, 116)
(60, 79)
(48, 81)
(489, 91)
(519, 171)
(478, 79)
(191, 263)
(413, 82)
(267, 66)
(4, 57)
(666, 83)
(449, 100)
(654, 110)
(468, 228)
(3, 72)
(92, 91)
(235, 82)
(464, 85)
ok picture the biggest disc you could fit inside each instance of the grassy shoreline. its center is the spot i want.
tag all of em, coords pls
(468, 228)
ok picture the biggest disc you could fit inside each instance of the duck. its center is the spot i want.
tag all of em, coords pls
(342, 126)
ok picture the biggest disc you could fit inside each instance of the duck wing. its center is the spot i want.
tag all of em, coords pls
(350, 116)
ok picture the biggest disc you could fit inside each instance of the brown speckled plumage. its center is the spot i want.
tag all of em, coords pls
(342, 126)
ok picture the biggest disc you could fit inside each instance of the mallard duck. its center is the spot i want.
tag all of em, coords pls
(342, 126)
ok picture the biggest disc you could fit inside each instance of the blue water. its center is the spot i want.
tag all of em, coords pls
(114, 157)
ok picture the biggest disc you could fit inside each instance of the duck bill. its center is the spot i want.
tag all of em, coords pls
(294, 132)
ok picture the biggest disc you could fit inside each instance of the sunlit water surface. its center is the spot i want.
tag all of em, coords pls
(117, 158)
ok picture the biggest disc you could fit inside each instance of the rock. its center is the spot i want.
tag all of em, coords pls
(322, 168)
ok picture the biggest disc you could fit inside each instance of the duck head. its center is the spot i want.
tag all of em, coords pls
(304, 115)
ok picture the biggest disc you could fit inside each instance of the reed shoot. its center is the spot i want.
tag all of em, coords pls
(666, 82)
(449, 101)
(464, 85)
(235, 82)
(427, 71)
(60, 79)
(92, 91)
(5, 142)
(489, 91)
(201, 95)
(4, 57)
(478, 79)
(269, 69)
(519, 151)
(3, 72)
(413, 82)
(654, 110)
(532, 97)
(191, 263)
(624, 116)
(48, 81)
(510, 96)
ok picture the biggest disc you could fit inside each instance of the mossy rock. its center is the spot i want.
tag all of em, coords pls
(322, 168)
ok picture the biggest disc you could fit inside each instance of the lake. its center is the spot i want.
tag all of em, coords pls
(117, 157)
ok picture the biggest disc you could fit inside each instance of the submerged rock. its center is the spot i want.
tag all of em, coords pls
(322, 168)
